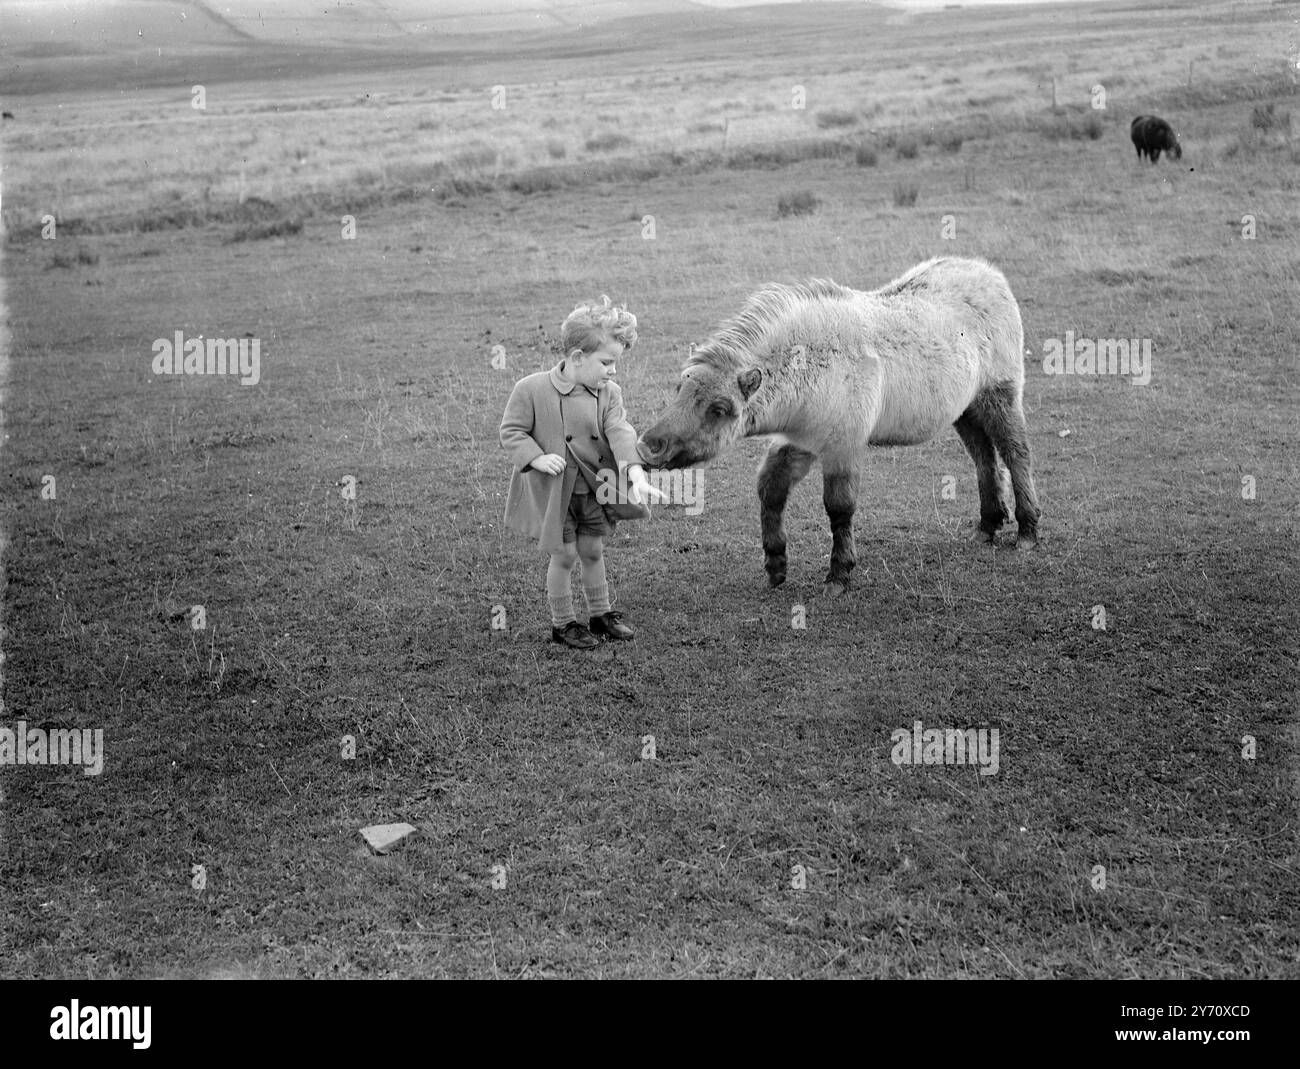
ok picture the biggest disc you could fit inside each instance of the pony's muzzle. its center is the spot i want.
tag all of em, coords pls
(651, 448)
(656, 452)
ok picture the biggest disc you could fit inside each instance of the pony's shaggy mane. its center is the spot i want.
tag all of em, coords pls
(735, 341)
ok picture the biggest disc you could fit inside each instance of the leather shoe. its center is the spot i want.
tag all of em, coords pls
(610, 625)
(575, 636)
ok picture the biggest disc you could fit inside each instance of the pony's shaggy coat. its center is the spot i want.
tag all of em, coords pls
(826, 370)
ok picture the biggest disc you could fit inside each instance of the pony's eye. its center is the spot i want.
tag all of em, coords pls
(720, 411)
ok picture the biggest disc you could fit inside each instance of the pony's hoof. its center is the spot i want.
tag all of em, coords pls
(1027, 540)
(775, 578)
(983, 537)
(834, 588)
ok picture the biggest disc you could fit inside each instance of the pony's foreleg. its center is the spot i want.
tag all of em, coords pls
(993, 512)
(783, 466)
(1000, 414)
(840, 496)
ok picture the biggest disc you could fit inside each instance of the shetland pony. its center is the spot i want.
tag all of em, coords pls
(825, 371)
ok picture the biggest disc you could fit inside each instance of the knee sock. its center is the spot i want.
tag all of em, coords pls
(595, 588)
(559, 593)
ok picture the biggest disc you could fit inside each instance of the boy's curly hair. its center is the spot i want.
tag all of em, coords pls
(589, 326)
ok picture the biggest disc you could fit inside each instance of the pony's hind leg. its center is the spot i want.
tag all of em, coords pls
(840, 496)
(783, 466)
(999, 412)
(993, 511)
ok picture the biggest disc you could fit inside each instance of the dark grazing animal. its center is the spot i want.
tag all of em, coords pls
(1152, 135)
(826, 371)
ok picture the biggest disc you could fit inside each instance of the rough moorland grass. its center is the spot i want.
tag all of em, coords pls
(262, 231)
(905, 193)
(339, 145)
(836, 117)
(338, 142)
(1076, 125)
(801, 202)
(81, 256)
(607, 141)
(479, 171)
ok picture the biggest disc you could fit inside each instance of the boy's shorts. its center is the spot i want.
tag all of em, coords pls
(585, 515)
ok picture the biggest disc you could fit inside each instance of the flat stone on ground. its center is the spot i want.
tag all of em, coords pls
(384, 837)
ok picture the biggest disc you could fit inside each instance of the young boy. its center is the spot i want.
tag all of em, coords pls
(568, 437)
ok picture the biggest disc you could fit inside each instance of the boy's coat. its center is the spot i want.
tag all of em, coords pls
(546, 413)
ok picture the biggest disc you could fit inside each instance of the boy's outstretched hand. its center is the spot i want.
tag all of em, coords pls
(549, 464)
(638, 487)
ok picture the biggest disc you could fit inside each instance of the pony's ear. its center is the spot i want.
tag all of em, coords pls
(748, 381)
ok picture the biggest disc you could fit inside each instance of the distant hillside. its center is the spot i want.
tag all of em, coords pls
(42, 28)
(97, 45)
(101, 45)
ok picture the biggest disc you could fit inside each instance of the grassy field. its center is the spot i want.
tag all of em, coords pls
(599, 100)
(222, 837)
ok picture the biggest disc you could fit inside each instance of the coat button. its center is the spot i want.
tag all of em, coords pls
(595, 437)
(568, 437)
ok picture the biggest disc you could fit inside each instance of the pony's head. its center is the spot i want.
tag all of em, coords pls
(715, 401)
(705, 415)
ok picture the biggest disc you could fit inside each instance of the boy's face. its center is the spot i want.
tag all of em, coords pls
(595, 369)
